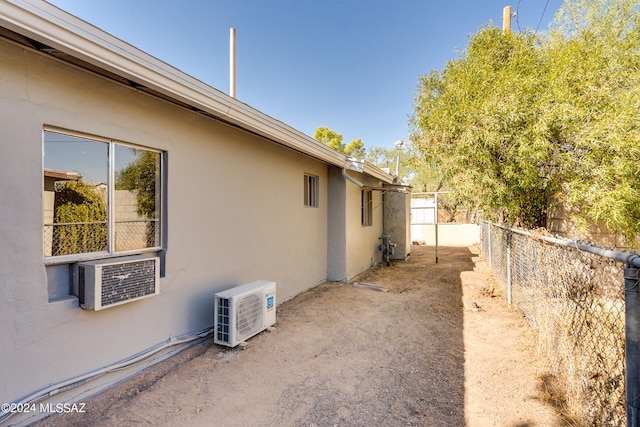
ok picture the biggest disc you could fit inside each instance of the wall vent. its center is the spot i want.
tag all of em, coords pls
(244, 311)
(109, 283)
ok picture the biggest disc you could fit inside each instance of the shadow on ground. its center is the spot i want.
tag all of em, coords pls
(339, 355)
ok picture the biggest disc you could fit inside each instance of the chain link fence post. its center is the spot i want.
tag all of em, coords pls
(490, 227)
(632, 342)
(509, 269)
(570, 294)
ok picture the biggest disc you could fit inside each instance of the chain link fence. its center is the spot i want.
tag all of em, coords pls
(574, 300)
(86, 237)
(136, 234)
(75, 238)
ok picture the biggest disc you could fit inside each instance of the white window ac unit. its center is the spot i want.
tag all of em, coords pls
(244, 311)
(109, 283)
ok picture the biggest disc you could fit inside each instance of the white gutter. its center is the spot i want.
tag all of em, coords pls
(55, 28)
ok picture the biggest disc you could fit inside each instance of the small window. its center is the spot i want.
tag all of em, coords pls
(311, 191)
(367, 207)
(100, 196)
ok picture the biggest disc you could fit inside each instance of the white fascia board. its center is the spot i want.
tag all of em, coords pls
(56, 28)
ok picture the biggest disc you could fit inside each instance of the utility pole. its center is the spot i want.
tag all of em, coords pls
(506, 20)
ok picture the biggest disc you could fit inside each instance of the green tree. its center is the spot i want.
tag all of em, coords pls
(475, 122)
(425, 177)
(355, 149)
(80, 217)
(141, 177)
(333, 140)
(330, 138)
(519, 118)
(382, 157)
(386, 158)
(595, 51)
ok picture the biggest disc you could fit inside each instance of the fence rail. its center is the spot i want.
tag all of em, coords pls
(573, 296)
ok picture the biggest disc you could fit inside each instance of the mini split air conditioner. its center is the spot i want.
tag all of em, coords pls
(244, 311)
(112, 282)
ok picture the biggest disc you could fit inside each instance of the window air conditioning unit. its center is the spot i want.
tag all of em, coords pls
(108, 283)
(244, 311)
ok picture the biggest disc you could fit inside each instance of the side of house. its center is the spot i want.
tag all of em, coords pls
(364, 223)
(222, 194)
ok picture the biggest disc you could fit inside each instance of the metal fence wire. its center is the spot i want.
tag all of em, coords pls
(575, 302)
(85, 237)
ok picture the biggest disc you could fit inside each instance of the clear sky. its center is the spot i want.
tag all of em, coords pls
(350, 65)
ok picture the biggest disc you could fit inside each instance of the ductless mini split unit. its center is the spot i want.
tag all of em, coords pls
(244, 311)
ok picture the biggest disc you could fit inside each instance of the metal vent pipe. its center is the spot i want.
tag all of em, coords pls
(232, 62)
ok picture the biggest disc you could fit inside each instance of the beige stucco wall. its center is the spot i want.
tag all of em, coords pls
(235, 214)
(362, 241)
(561, 222)
(128, 235)
(449, 234)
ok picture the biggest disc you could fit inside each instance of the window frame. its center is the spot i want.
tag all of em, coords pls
(110, 201)
(311, 191)
(366, 218)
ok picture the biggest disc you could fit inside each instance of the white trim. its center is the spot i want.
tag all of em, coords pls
(111, 186)
(111, 217)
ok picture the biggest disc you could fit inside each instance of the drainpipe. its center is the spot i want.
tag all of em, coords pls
(348, 178)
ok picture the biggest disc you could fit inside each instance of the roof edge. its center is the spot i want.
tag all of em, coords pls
(47, 24)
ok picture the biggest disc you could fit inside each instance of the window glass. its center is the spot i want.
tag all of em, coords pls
(84, 211)
(136, 198)
(367, 207)
(75, 195)
(311, 191)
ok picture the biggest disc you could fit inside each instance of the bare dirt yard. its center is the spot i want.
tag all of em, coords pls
(440, 348)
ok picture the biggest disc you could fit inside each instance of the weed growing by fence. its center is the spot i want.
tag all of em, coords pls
(574, 300)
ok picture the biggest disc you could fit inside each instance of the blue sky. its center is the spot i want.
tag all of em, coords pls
(350, 65)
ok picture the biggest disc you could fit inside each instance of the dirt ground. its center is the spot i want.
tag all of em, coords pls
(440, 348)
